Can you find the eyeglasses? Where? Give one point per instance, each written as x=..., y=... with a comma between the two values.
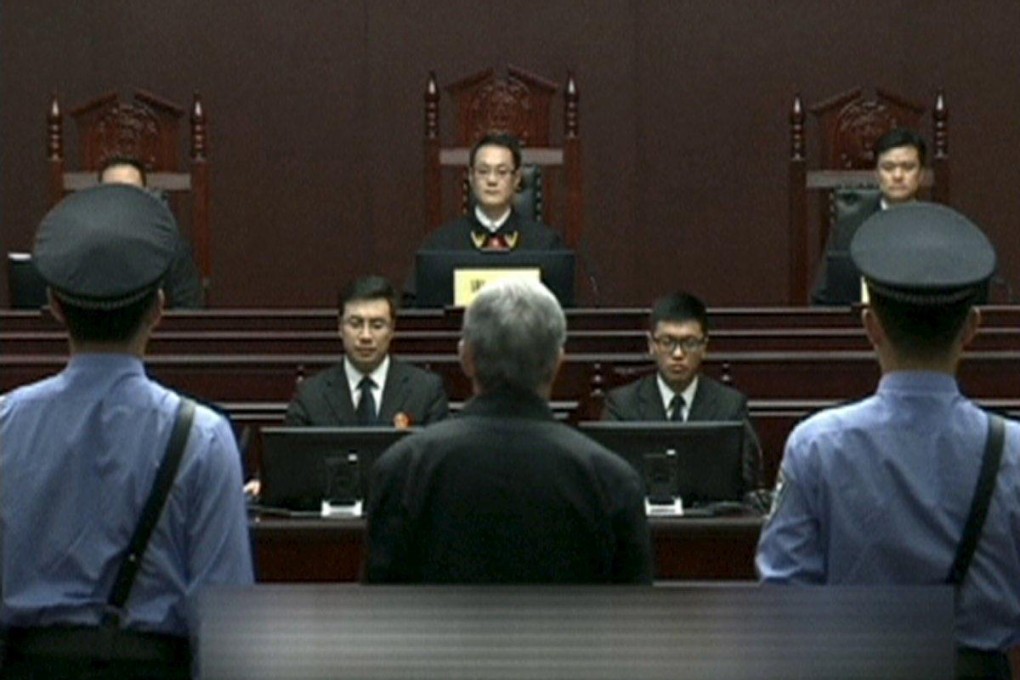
x=357, y=324
x=500, y=172
x=689, y=345
x=906, y=166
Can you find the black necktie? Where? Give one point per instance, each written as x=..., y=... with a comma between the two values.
x=676, y=408
x=366, y=404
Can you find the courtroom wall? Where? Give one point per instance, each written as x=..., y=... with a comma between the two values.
x=315, y=110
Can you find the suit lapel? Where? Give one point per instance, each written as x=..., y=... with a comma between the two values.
x=394, y=393
x=704, y=405
x=338, y=396
x=649, y=400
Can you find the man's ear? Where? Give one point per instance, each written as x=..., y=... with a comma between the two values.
x=873, y=327
x=55, y=309
x=155, y=311
x=467, y=359
x=559, y=362
x=970, y=326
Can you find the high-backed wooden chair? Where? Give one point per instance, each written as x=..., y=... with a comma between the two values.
x=519, y=104
x=848, y=126
x=146, y=128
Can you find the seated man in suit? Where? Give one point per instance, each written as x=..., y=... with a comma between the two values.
x=503, y=493
x=899, y=166
x=678, y=391
x=494, y=174
x=369, y=387
x=183, y=283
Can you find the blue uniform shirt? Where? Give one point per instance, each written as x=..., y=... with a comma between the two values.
x=877, y=492
x=78, y=455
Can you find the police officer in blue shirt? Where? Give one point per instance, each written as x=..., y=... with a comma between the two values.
x=879, y=491
x=79, y=454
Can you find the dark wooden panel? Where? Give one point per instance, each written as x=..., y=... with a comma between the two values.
x=317, y=139
x=412, y=342
x=763, y=375
x=332, y=550
x=722, y=320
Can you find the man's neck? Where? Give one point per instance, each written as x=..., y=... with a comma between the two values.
x=495, y=215
x=134, y=347
x=891, y=363
x=885, y=203
x=543, y=392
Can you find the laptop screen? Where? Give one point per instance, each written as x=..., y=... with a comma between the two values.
x=700, y=460
x=304, y=466
x=435, y=270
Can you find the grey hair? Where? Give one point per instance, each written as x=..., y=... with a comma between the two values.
x=515, y=330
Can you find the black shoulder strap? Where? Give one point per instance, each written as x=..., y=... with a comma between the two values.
x=151, y=512
x=979, y=504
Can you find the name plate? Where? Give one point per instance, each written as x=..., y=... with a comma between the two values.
x=468, y=281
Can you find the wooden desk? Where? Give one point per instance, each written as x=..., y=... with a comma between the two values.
x=318, y=550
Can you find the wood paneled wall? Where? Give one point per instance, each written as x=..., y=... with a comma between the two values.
x=315, y=111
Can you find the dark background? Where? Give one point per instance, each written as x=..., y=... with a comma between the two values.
x=316, y=120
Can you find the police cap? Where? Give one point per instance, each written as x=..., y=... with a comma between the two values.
x=106, y=247
x=922, y=253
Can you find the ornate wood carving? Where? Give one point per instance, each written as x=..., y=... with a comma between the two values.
x=198, y=131
x=851, y=122
x=797, y=129
x=518, y=104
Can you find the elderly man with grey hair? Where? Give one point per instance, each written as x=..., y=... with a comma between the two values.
x=503, y=493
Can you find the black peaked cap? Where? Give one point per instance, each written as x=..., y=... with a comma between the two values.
x=106, y=247
x=923, y=253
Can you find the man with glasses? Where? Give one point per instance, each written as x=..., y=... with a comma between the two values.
x=183, y=282
x=678, y=391
x=494, y=174
x=369, y=387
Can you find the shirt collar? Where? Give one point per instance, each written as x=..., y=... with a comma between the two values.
x=918, y=381
x=666, y=393
x=885, y=205
x=508, y=403
x=491, y=225
x=106, y=363
x=378, y=376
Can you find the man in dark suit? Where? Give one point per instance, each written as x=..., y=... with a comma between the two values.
x=494, y=174
x=678, y=391
x=182, y=282
x=503, y=493
x=369, y=387
x=899, y=167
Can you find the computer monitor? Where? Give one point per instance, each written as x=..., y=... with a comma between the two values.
x=435, y=271
x=842, y=278
x=304, y=466
x=26, y=284
x=701, y=461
